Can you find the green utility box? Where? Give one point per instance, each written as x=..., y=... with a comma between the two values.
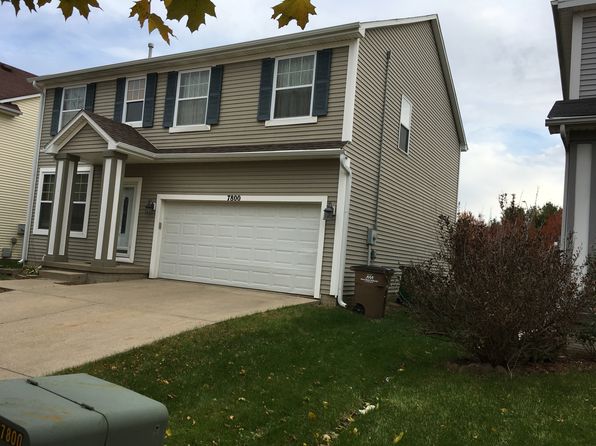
x=370, y=290
x=77, y=410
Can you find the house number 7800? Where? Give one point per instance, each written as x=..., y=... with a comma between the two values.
x=234, y=197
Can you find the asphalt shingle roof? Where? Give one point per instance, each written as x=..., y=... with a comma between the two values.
x=13, y=82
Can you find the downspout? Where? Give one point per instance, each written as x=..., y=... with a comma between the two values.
x=345, y=164
x=25, y=250
x=371, y=255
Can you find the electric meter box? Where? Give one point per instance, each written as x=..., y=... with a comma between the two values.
x=77, y=410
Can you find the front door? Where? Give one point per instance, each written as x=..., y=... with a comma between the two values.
x=128, y=220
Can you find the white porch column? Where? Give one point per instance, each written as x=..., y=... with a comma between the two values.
x=109, y=209
x=58, y=234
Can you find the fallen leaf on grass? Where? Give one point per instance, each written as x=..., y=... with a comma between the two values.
x=398, y=438
x=312, y=416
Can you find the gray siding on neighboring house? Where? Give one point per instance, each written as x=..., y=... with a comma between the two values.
x=238, y=123
x=415, y=188
x=592, y=234
x=318, y=177
x=587, y=81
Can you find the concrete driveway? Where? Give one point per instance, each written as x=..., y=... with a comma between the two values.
x=45, y=327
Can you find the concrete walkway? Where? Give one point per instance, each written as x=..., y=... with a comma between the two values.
x=46, y=327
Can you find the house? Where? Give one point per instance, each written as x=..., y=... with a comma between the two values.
x=19, y=114
x=274, y=164
x=574, y=118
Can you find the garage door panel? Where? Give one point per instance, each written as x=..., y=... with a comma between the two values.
x=271, y=246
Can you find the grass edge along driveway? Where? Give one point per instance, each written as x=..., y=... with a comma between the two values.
x=300, y=375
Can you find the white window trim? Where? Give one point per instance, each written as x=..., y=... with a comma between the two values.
x=126, y=101
x=192, y=127
x=404, y=98
x=307, y=119
x=62, y=101
x=138, y=183
x=52, y=170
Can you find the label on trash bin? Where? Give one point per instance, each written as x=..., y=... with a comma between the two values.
x=369, y=278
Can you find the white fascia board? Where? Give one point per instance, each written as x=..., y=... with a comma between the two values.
x=436, y=27
x=236, y=156
x=71, y=129
x=563, y=4
x=20, y=98
x=10, y=111
x=396, y=22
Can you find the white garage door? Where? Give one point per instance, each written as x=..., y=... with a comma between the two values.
x=268, y=246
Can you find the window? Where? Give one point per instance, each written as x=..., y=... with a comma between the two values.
x=191, y=103
x=405, y=124
x=47, y=183
x=134, y=101
x=79, y=211
x=293, y=92
x=73, y=100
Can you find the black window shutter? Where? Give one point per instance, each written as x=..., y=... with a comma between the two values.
x=90, y=97
x=321, y=88
x=56, y=111
x=149, y=107
x=214, y=102
x=170, y=104
x=266, y=91
x=119, y=104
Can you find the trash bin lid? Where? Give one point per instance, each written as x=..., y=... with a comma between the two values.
x=373, y=269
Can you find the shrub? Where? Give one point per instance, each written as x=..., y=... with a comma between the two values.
x=500, y=290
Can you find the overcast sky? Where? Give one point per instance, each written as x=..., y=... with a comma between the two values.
x=502, y=55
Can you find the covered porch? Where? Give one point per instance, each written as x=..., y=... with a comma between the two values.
x=103, y=147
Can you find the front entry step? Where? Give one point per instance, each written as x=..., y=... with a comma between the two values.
x=60, y=276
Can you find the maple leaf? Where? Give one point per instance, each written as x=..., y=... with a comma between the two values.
x=67, y=7
x=195, y=10
x=156, y=22
x=142, y=9
x=289, y=10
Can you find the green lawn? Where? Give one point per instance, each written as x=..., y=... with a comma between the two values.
x=290, y=376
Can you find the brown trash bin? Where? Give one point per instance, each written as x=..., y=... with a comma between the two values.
x=371, y=287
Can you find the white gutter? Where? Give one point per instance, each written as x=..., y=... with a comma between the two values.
x=345, y=164
x=25, y=250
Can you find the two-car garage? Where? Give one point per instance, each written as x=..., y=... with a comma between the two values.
x=268, y=243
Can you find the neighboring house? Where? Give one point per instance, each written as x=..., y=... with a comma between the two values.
x=574, y=118
x=255, y=164
x=19, y=114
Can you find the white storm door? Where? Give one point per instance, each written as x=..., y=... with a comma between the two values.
x=129, y=215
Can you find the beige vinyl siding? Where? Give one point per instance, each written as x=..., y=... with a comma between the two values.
x=17, y=147
x=79, y=249
x=86, y=140
x=417, y=187
x=587, y=80
x=243, y=178
x=238, y=123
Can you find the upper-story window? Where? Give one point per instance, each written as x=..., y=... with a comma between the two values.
x=405, y=124
x=191, y=101
x=293, y=92
x=135, y=100
x=73, y=100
